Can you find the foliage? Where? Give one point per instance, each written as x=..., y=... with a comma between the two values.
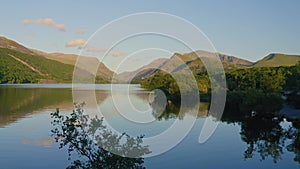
x=265, y=135
x=250, y=89
x=269, y=80
x=253, y=100
x=50, y=68
x=12, y=71
x=293, y=78
x=294, y=134
x=90, y=138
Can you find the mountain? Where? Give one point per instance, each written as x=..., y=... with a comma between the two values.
x=19, y=64
x=179, y=62
x=23, y=65
x=10, y=44
x=145, y=71
x=71, y=59
x=194, y=60
x=277, y=59
x=18, y=67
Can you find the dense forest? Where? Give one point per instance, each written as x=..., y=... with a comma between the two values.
x=17, y=67
x=13, y=72
x=248, y=89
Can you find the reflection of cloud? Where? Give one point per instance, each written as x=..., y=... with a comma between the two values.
x=80, y=31
x=116, y=54
x=39, y=142
x=75, y=42
x=46, y=21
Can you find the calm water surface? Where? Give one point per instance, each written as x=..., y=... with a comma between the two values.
x=238, y=142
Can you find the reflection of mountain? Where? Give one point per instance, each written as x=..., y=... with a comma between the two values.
x=19, y=102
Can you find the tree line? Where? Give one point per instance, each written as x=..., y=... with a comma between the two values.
x=248, y=89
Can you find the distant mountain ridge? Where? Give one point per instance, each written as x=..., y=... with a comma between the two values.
x=178, y=62
x=145, y=71
x=175, y=63
x=195, y=64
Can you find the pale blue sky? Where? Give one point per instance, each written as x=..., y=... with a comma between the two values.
x=247, y=29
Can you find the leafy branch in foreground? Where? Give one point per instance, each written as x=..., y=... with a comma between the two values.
x=95, y=144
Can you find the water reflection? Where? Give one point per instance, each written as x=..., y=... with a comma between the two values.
x=163, y=109
x=91, y=139
x=266, y=134
x=263, y=135
x=294, y=134
x=17, y=103
x=172, y=111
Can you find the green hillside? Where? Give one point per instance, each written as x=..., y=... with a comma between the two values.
x=14, y=72
x=276, y=59
x=17, y=67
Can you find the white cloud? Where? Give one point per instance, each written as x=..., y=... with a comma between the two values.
x=46, y=21
x=76, y=42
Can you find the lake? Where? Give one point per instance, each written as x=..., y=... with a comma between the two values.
x=238, y=142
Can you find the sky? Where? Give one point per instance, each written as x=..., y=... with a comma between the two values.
x=246, y=29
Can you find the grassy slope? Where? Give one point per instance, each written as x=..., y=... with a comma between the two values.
x=102, y=72
x=12, y=71
x=52, y=69
x=275, y=60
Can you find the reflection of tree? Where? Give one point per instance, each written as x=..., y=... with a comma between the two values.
x=168, y=111
x=294, y=135
x=98, y=145
x=263, y=135
x=172, y=111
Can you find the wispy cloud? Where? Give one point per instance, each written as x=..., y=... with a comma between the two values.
x=116, y=54
x=46, y=21
x=80, y=31
x=75, y=42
